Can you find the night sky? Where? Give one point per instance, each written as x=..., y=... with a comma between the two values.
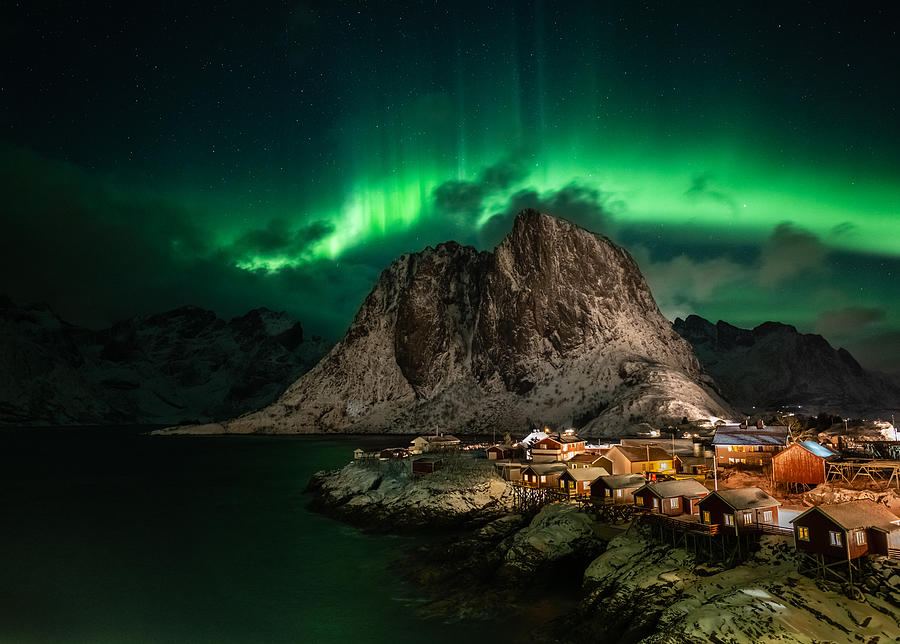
x=282, y=154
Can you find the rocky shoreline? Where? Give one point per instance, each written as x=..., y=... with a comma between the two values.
x=569, y=578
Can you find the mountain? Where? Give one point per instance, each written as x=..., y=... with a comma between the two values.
x=773, y=366
x=556, y=326
x=183, y=365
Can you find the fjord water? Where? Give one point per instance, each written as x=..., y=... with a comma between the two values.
x=112, y=536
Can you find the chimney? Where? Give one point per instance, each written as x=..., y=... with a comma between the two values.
x=698, y=448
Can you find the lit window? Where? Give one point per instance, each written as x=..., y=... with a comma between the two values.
x=748, y=517
x=706, y=516
x=860, y=538
x=608, y=492
x=618, y=492
x=543, y=478
x=673, y=503
x=834, y=538
x=639, y=500
x=655, y=503
x=562, y=484
x=767, y=516
x=663, y=466
x=729, y=519
x=803, y=533
x=543, y=445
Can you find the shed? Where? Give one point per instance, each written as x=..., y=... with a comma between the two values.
x=802, y=464
x=847, y=530
x=426, y=465
x=579, y=480
x=544, y=475
x=740, y=508
x=617, y=489
x=670, y=497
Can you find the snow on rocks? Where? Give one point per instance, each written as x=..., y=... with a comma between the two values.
x=558, y=531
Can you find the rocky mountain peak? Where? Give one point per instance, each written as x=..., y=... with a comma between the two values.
x=556, y=324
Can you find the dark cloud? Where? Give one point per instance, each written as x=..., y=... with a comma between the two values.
x=841, y=322
x=579, y=204
x=466, y=198
x=701, y=189
x=788, y=252
x=277, y=238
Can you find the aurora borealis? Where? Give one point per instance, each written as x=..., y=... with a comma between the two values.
x=241, y=155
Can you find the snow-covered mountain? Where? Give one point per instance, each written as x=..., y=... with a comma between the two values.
x=556, y=326
x=773, y=366
x=183, y=365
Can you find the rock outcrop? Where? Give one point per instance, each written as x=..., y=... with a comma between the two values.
x=773, y=366
x=556, y=326
x=641, y=590
x=182, y=365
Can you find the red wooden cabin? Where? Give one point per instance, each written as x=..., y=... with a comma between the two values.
x=579, y=480
x=670, y=497
x=847, y=530
x=802, y=463
x=739, y=509
x=617, y=489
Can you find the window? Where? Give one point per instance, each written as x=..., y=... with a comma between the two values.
x=834, y=538
x=618, y=492
x=803, y=533
x=562, y=484
x=607, y=492
x=748, y=517
x=639, y=500
x=543, y=478
x=663, y=466
x=706, y=516
x=543, y=445
x=860, y=538
x=767, y=516
x=673, y=503
x=655, y=503
x=729, y=519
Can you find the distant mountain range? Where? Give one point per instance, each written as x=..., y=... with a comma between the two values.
x=774, y=367
x=556, y=326
x=185, y=365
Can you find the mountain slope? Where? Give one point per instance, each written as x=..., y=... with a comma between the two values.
x=183, y=365
x=556, y=326
x=773, y=366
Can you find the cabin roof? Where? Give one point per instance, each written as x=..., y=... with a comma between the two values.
x=746, y=498
x=545, y=468
x=862, y=513
x=585, y=458
x=586, y=473
x=769, y=435
x=639, y=454
x=680, y=487
x=817, y=449
x=563, y=438
x=618, y=481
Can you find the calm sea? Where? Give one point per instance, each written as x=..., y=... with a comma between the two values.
x=111, y=536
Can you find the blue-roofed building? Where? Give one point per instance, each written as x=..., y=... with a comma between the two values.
x=749, y=446
x=802, y=464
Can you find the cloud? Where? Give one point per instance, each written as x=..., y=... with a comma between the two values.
x=277, y=238
x=683, y=285
x=702, y=190
x=466, y=198
x=788, y=252
x=845, y=321
x=579, y=204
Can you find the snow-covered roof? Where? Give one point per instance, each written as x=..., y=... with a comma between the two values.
x=746, y=498
x=586, y=473
x=818, y=450
x=770, y=435
x=856, y=514
x=638, y=454
x=617, y=481
x=533, y=438
x=681, y=487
